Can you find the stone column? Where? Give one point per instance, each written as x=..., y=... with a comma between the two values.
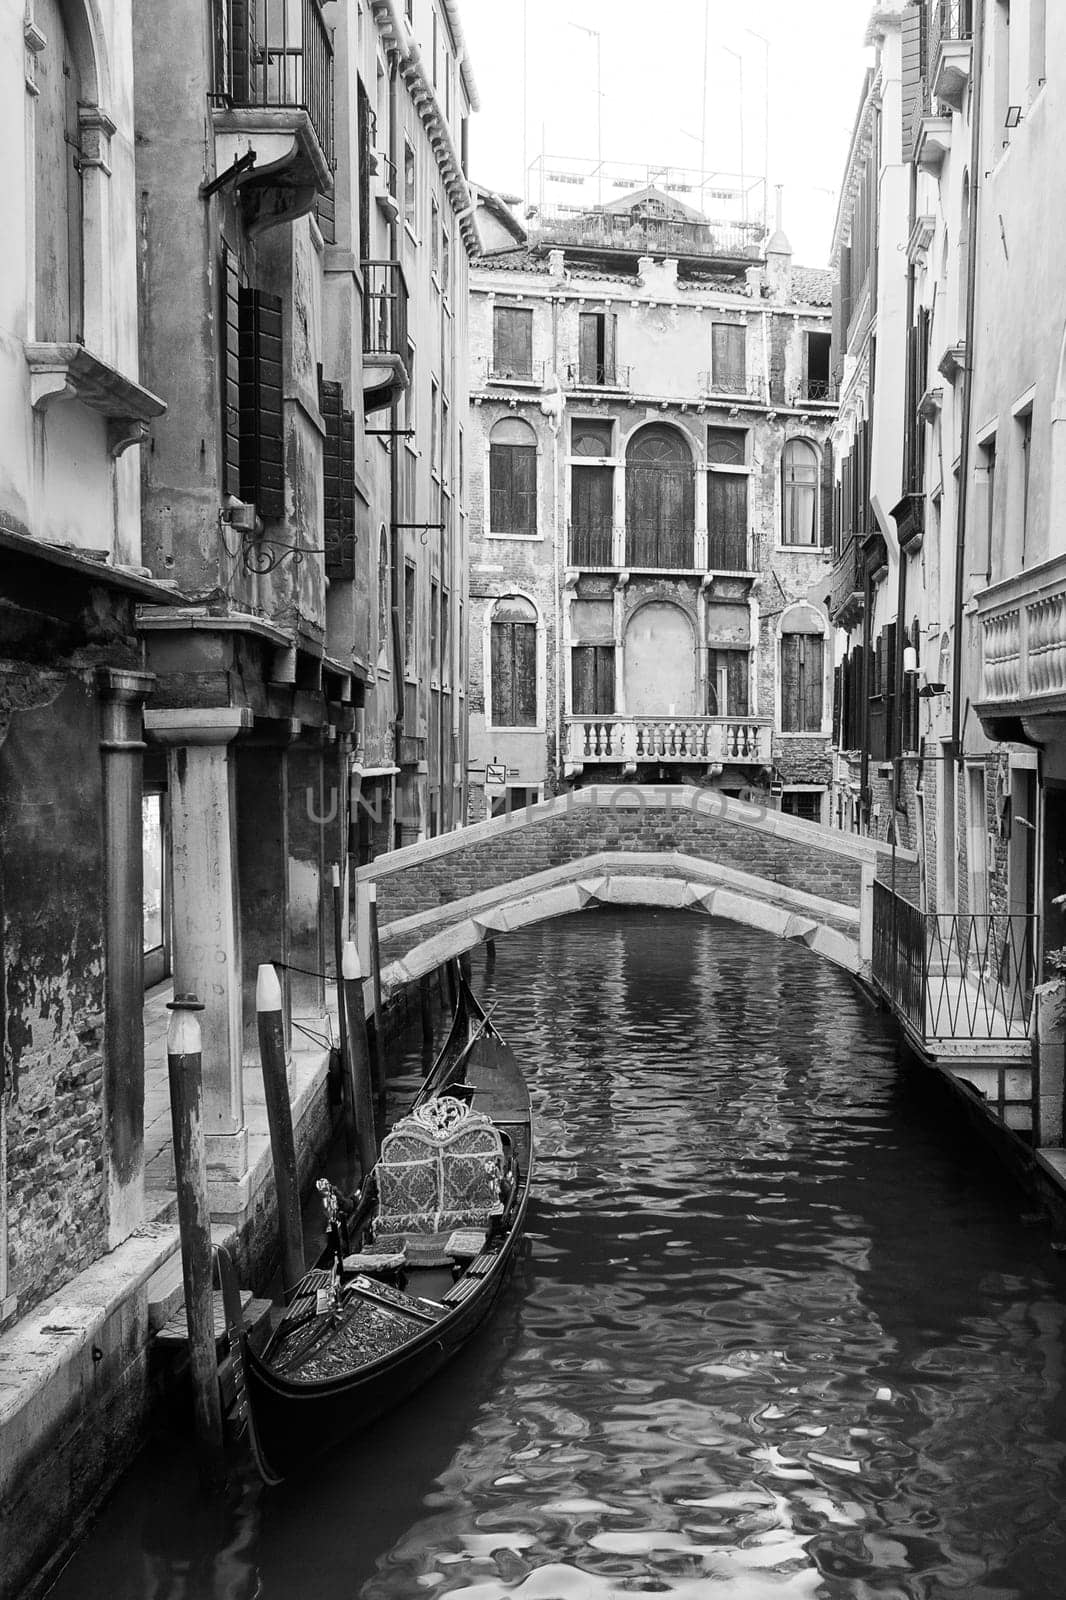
x=262, y=870
x=310, y=805
x=122, y=696
x=207, y=956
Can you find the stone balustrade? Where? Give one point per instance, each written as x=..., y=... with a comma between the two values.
x=1023, y=641
x=626, y=740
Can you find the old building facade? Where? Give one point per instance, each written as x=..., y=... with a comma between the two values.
x=649, y=508
x=232, y=594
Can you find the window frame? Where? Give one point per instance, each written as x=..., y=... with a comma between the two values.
x=815, y=544
x=494, y=452
x=491, y=620
x=802, y=731
x=727, y=469
x=499, y=369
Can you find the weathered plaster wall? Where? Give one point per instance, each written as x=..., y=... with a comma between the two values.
x=51, y=909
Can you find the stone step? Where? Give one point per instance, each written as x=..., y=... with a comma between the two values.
x=166, y=1287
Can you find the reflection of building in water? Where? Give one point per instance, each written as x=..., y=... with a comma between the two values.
x=650, y=500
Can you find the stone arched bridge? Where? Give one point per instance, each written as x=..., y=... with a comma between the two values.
x=668, y=846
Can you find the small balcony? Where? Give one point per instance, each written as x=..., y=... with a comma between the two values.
x=845, y=599
x=728, y=385
x=385, y=372
x=273, y=110
x=590, y=545
x=1022, y=624
x=523, y=374
x=661, y=547
x=727, y=550
x=816, y=392
x=598, y=375
x=690, y=741
x=950, y=50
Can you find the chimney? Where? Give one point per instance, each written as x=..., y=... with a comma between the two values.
x=557, y=263
x=779, y=256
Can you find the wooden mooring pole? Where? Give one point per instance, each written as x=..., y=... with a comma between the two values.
x=279, y=1120
x=185, y=1071
x=376, y=1030
x=352, y=986
x=342, y=1024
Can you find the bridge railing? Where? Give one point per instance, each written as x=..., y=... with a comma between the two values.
x=614, y=739
x=955, y=975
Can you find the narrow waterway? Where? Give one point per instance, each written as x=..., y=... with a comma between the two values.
x=778, y=1331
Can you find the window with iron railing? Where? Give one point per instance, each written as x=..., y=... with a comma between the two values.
x=280, y=54
x=660, y=500
x=384, y=308
x=727, y=499
x=729, y=357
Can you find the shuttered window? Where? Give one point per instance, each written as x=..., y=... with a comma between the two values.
x=799, y=494
x=596, y=348
x=514, y=663
x=261, y=454
x=512, y=342
x=593, y=680
x=727, y=683
x=338, y=482
x=728, y=363
x=660, y=501
x=513, y=478
x=727, y=521
x=802, y=686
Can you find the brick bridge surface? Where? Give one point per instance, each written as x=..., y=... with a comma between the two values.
x=666, y=846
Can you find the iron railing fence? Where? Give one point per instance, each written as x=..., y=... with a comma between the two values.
x=384, y=309
x=591, y=544
x=279, y=53
x=955, y=975
x=597, y=375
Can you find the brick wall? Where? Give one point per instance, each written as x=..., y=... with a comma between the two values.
x=523, y=849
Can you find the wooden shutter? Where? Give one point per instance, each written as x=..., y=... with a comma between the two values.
x=262, y=439
x=728, y=356
x=791, y=683
x=525, y=674
x=589, y=363
x=500, y=487
x=812, y=648
x=727, y=520
x=736, y=683
x=591, y=515
x=592, y=667
x=912, y=30
x=231, y=375
x=523, y=488
x=241, y=48
x=827, y=494
x=676, y=517
x=780, y=334
x=338, y=483
x=610, y=348
x=512, y=342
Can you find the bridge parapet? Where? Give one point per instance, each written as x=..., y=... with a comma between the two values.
x=657, y=834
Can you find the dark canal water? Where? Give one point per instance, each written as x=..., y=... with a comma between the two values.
x=777, y=1335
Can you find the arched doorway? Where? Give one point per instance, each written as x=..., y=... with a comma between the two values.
x=660, y=662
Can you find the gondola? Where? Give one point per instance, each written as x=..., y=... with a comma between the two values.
x=414, y=1263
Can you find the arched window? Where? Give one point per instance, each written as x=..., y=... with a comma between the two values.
x=513, y=663
x=58, y=243
x=799, y=493
x=660, y=500
x=513, y=478
x=383, y=596
x=802, y=671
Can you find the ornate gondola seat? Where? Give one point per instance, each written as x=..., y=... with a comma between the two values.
x=440, y=1170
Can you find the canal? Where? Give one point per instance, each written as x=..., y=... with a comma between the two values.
x=779, y=1332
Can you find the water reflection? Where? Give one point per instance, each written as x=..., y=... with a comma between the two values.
x=775, y=1335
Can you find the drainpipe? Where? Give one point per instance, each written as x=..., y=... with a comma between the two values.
x=976, y=84
x=909, y=487
x=398, y=644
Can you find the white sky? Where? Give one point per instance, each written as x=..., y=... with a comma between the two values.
x=651, y=65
